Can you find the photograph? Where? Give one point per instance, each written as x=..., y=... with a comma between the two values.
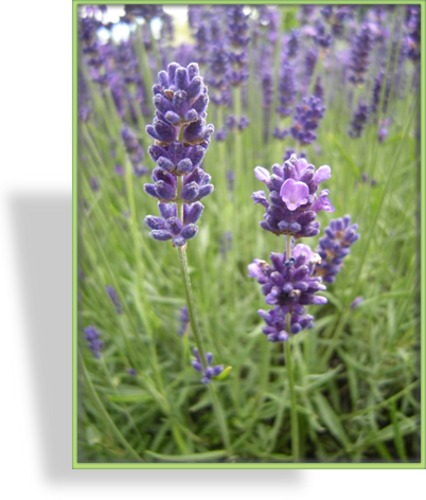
x=247, y=214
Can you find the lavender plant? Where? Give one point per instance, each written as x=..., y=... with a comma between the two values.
x=340, y=84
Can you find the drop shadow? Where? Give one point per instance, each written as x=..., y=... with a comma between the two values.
x=42, y=225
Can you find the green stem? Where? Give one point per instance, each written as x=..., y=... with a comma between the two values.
x=290, y=374
x=190, y=302
x=295, y=445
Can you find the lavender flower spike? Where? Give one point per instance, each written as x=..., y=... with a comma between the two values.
x=114, y=298
x=93, y=338
x=359, y=120
x=306, y=119
x=210, y=371
x=340, y=235
x=289, y=285
x=293, y=200
x=181, y=138
x=360, y=55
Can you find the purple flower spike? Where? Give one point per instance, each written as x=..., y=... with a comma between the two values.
x=94, y=341
x=181, y=140
x=340, y=235
x=359, y=120
x=306, y=119
x=360, y=55
x=114, y=298
x=210, y=371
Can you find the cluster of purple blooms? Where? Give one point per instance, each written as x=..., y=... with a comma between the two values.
x=181, y=140
x=359, y=120
x=340, y=235
x=94, y=341
x=292, y=281
x=360, y=55
x=294, y=200
x=208, y=371
x=289, y=284
x=306, y=120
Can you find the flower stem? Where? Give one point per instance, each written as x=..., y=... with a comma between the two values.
x=293, y=404
x=290, y=374
x=190, y=304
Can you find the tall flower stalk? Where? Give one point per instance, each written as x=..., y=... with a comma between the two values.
x=182, y=138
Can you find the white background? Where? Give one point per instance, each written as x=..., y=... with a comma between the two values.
x=35, y=285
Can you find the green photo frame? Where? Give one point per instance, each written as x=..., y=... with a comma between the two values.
x=347, y=394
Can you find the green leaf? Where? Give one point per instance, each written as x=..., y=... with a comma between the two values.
x=331, y=420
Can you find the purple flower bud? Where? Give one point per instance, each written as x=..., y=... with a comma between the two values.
x=210, y=371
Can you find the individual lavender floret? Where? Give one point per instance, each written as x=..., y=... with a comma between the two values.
x=114, y=298
x=184, y=321
x=289, y=285
x=132, y=372
x=210, y=371
x=340, y=235
x=94, y=341
x=134, y=150
x=306, y=119
x=360, y=55
x=293, y=200
x=359, y=120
